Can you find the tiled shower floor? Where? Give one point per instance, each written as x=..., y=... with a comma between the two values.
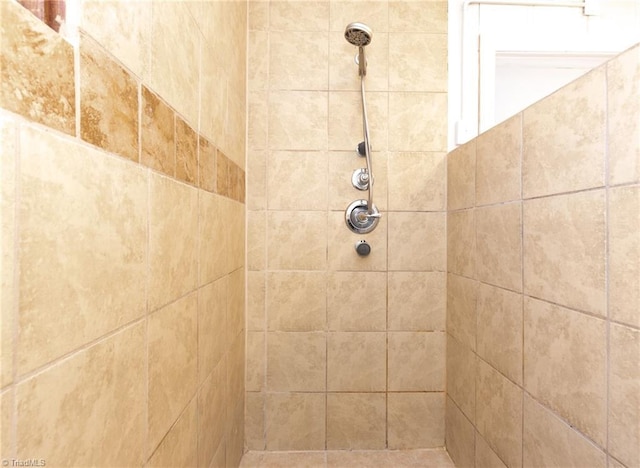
x=428, y=458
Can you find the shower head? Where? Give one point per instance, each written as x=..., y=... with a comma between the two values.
x=358, y=34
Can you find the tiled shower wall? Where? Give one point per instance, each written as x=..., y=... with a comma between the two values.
x=543, y=313
x=123, y=223
x=345, y=352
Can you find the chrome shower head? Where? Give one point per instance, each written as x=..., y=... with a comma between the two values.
x=358, y=34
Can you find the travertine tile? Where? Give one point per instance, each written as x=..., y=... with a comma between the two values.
x=256, y=300
x=212, y=326
x=297, y=180
x=108, y=102
x=215, y=98
x=549, y=441
x=416, y=361
x=206, y=165
x=258, y=15
x=417, y=301
x=175, y=57
x=236, y=358
x=356, y=420
x=500, y=329
x=215, y=236
x=234, y=448
x=461, y=371
x=485, y=456
x=236, y=316
x=298, y=120
x=341, y=249
x=254, y=421
x=258, y=120
x=57, y=409
x=371, y=12
x=295, y=421
x=428, y=17
x=624, y=394
x=434, y=457
x=157, y=134
x=288, y=71
x=307, y=459
x=415, y=420
x=499, y=245
x=37, y=64
x=257, y=180
x=623, y=111
x=258, y=56
x=461, y=243
x=82, y=247
x=356, y=301
x=356, y=361
x=8, y=261
x=343, y=70
x=173, y=364
x=212, y=416
x=624, y=254
x=417, y=62
x=345, y=121
x=462, y=296
x=567, y=231
x=358, y=458
x=461, y=176
x=460, y=436
x=220, y=457
x=417, y=181
x=417, y=241
x=564, y=138
x=179, y=448
x=296, y=301
x=565, y=364
x=498, y=163
x=406, y=132
x=499, y=413
x=132, y=20
x=296, y=361
x=296, y=240
x=256, y=240
x=173, y=266
x=186, y=152
x=6, y=425
x=288, y=15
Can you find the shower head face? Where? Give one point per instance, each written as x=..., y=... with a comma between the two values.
x=358, y=34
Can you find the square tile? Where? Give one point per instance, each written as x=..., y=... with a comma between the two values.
x=296, y=421
x=415, y=420
x=296, y=301
x=565, y=364
x=356, y=361
x=499, y=245
x=567, y=230
x=564, y=138
x=417, y=301
x=296, y=361
x=416, y=361
x=356, y=301
x=356, y=421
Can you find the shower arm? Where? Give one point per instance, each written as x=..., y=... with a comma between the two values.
x=367, y=151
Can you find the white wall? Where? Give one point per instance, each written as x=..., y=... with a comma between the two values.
x=493, y=32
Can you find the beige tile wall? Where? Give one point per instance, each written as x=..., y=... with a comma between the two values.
x=345, y=352
x=543, y=311
x=123, y=220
